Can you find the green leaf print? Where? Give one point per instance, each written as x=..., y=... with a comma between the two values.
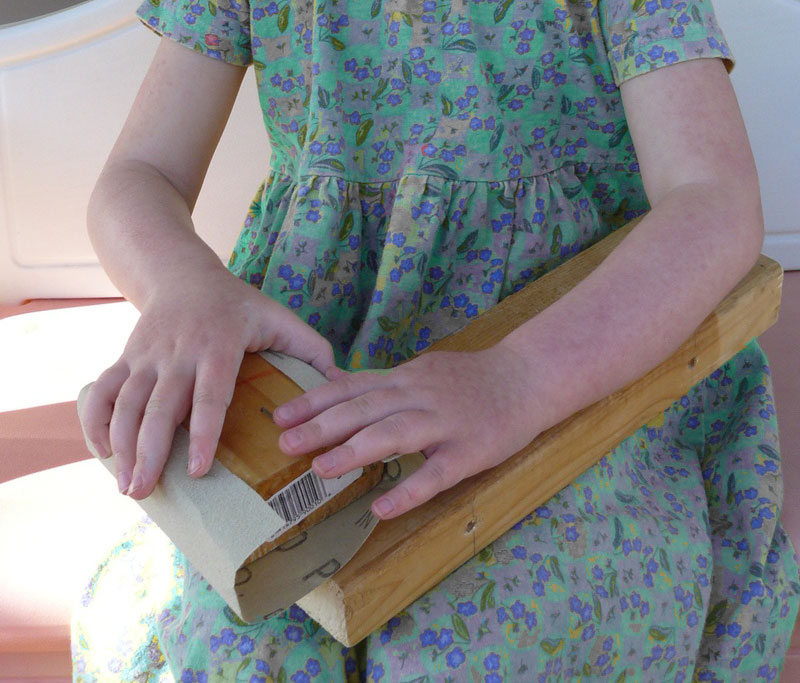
x=337, y=44
x=283, y=19
x=551, y=647
x=500, y=11
x=461, y=44
x=386, y=323
x=487, y=596
x=622, y=677
x=580, y=57
x=212, y=8
x=769, y=451
x=536, y=78
x=259, y=66
x=363, y=131
x=555, y=568
x=743, y=387
x=347, y=226
x=696, y=14
x=617, y=532
x=407, y=74
x=496, y=137
x=301, y=135
x=230, y=614
x=637, y=5
x=731, y=488
x=423, y=261
x=282, y=675
x=468, y=242
x=324, y=98
x=506, y=202
x=407, y=18
x=761, y=643
x=698, y=597
x=243, y=665
x=573, y=191
x=664, y=559
x=566, y=104
x=376, y=8
x=382, y=84
x=447, y=106
x=555, y=245
x=460, y=627
x=330, y=163
x=618, y=136
x=715, y=615
x=504, y=90
x=658, y=634
x=444, y=170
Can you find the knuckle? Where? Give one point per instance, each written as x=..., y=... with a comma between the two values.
x=439, y=471
x=363, y=405
x=205, y=396
x=154, y=408
x=397, y=428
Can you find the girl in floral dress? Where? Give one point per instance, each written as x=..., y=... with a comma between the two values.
x=428, y=158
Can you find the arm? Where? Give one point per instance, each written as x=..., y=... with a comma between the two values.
x=470, y=411
x=197, y=318
x=701, y=237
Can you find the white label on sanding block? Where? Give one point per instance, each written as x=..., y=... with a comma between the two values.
x=298, y=499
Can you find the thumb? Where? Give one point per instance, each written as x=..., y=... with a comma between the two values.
x=298, y=339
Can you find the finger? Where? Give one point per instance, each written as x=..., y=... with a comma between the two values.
x=443, y=469
x=213, y=391
x=403, y=432
x=347, y=387
x=297, y=338
x=342, y=420
x=125, y=420
x=167, y=407
x=99, y=406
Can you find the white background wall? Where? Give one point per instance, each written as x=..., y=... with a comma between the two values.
x=68, y=79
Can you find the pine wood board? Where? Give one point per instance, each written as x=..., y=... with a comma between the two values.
x=248, y=445
x=405, y=557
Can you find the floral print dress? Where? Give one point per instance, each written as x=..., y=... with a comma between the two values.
x=430, y=157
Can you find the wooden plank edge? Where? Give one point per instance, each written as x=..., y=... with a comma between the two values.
x=370, y=589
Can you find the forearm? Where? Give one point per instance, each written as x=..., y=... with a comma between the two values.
x=141, y=229
x=643, y=301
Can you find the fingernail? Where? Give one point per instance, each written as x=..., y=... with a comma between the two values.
x=383, y=507
x=123, y=481
x=195, y=463
x=292, y=439
x=325, y=462
x=100, y=450
x=284, y=413
x=136, y=485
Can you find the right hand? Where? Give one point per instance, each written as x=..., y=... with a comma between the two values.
x=184, y=354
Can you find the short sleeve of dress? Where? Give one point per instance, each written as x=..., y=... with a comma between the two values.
x=218, y=29
x=643, y=35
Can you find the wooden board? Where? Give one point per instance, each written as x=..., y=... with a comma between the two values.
x=406, y=556
x=248, y=445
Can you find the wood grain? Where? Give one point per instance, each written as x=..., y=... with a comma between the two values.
x=248, y=445
x=405, y=557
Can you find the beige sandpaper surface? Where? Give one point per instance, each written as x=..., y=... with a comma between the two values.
x=218, y=521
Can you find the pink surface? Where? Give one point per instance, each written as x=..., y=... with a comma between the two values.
x=61, y=504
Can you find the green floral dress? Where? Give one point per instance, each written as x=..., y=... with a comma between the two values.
x=430, y=157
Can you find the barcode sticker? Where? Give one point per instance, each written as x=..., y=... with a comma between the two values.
x=298, y=499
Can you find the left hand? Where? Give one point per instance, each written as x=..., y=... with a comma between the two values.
x=466, y=412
